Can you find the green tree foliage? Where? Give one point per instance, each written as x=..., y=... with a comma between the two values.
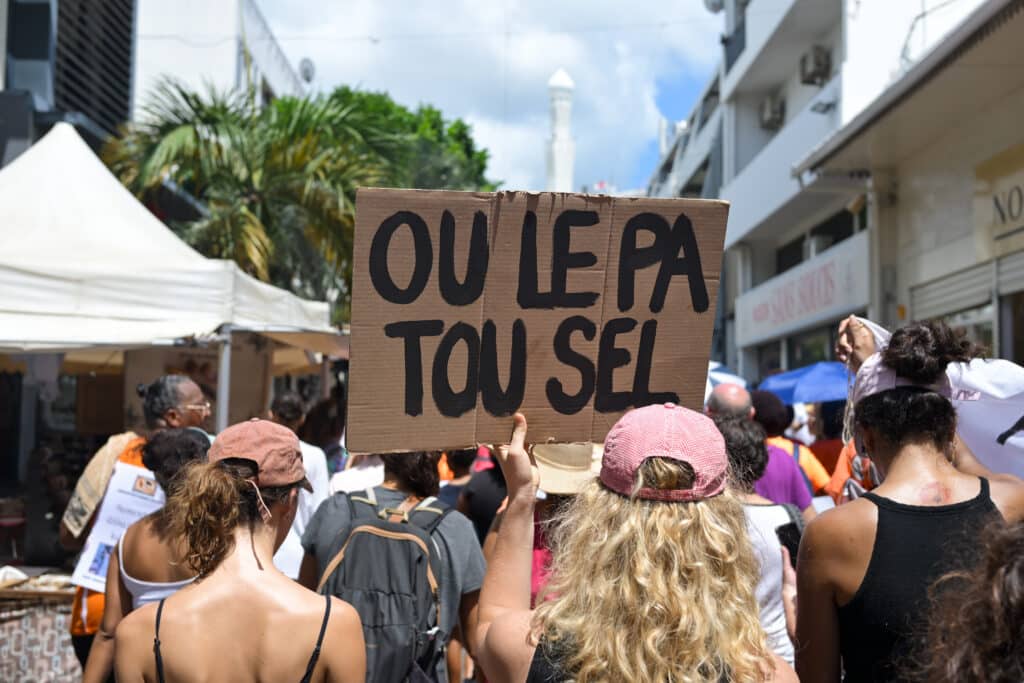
x=276, y=184
x=431, y=154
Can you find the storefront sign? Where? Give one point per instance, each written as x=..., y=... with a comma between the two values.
x=999, y=201
x=828, y=286
x=131, y=495
x=467, y=307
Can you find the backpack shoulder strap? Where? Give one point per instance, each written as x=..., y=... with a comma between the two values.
x=429, y=514
x=795, y=449
x=367, y=508
x=795, y=516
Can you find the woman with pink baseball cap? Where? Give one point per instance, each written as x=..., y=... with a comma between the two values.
x=652, y=577
x=865, y=568
x=242, y=619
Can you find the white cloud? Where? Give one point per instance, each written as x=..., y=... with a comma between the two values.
x=489, y=63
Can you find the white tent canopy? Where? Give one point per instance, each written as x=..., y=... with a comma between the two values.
x=83, y=264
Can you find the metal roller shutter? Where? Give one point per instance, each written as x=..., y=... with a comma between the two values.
x=956, y=292
x=1011, y=273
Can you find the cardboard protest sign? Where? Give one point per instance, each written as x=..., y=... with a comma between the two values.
x=131, y=495
x=468, y=307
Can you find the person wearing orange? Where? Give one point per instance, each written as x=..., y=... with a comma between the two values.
x=771, y=413
x=854, y=475
x=826, y=425
x=170, y=401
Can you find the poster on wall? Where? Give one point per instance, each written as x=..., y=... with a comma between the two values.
x=468, y=307
x=131, y=495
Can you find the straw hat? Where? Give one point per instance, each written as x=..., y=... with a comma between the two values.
x=566, y=467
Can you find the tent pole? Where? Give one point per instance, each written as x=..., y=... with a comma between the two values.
x=224, y=379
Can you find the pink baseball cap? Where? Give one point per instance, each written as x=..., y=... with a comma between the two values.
x=665, y=431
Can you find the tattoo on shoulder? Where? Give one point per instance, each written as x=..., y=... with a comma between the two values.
x=934, y=494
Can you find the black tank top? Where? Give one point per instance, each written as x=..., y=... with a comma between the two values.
x=546, y=667
x=881, y=628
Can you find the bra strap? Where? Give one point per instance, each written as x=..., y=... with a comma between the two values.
x=156, y=644
x=319, y=641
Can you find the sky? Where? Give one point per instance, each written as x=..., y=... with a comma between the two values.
x=489, y=63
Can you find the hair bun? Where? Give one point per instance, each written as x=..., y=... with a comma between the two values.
x=921, y=352
x=141, y=389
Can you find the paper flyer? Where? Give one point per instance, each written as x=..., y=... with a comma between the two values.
x=131, y=495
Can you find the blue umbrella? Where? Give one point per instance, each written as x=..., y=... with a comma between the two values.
x=818, y=382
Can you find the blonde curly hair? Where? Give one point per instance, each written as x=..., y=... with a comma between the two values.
x=653, y=591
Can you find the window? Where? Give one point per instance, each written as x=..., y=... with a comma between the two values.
x=789, y=255
x=769, y=359
x=812, y=347
x=695, y=185
x=708, y=105
x=836, y=228
x=735, y=42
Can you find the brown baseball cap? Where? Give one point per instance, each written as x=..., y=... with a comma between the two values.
x=273, y=447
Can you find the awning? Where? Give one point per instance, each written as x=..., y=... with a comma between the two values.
x=84, y=264
x=332, y=345
x=295, y=353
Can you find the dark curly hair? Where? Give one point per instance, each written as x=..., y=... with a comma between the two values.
x=976, y=626
x=907, y=414
x=745, y=446
x=169, y=450
x=416, y=472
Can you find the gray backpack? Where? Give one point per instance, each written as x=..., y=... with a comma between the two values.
x=387, y=568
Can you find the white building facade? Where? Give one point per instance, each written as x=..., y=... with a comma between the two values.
x=227, y=44
x=804, y=246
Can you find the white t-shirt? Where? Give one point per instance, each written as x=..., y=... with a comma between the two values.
x=289, y=556
x=762, y=521
x=365, y=475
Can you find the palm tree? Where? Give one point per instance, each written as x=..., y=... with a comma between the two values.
x=277, y=184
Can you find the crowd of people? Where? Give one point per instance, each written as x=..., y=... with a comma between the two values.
x=686, y=547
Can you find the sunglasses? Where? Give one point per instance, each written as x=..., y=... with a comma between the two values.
x=204, y=407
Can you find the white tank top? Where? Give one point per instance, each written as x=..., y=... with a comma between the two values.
x=144, y=592
x=762, y=521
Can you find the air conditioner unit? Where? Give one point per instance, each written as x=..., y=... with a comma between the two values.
x=772, y=113
x=815, y=66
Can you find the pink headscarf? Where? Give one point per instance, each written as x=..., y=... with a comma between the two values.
x=875, y=377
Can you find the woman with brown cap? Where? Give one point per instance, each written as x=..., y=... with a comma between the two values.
x=652, y=576
x=242, y=620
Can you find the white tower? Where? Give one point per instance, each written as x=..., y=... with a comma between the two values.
x=561, y=150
